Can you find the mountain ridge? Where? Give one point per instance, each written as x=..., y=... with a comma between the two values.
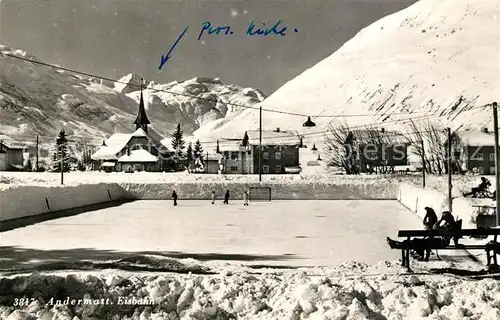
x=436, y=59
x=40, y=100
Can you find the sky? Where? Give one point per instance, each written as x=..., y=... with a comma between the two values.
x=112, y=38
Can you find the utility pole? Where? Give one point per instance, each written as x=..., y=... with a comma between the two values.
x=497, y=164
x=450, y=198
x=61, y=164
x=260, y=144
x=37, y=153
x=424, y=169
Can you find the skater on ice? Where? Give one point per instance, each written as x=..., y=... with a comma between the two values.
x=245, y=198
x=226, y=197
x=213, y=197
x=174, y=196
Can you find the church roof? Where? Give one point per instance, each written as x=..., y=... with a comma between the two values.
x=139, y=133
x=139, y=155
x=142, y=118
x=112, y=146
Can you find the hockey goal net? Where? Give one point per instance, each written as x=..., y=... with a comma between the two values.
x=260, y=194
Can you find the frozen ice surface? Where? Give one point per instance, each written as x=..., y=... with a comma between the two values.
x=285, y=233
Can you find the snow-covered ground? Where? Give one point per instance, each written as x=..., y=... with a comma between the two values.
x=350, y=291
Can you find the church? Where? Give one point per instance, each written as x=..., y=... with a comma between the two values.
x=141, y=150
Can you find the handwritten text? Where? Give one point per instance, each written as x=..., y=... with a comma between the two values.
x=209, y=29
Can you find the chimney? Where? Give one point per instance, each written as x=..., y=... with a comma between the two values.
x=278, y=129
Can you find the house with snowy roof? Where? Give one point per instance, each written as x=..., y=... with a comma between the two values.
x=477, y=151
x=280, y=153
x=11, y=154
x=141, y=150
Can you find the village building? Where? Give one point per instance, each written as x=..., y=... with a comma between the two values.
x=280, y=153
x=11, y=154
x=235, y=158
x=477, y=151
x=141, y=150
x=212, y=163
x=378, y=151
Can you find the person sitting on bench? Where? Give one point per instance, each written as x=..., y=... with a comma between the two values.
x=430, y=218
x=492, y=248
x=482, y=187
x=421, y=245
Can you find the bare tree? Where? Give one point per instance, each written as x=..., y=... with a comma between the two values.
x=430, y=144
x=340, y=148
x=367, y=150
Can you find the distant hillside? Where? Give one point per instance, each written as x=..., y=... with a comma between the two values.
x=437, y=58
x=36, y=99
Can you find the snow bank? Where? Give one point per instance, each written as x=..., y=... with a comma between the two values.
x=279, y=190
x=348, y=292
x=24, y=201
x=32, y=194
x=158, y=186
x=417, y=198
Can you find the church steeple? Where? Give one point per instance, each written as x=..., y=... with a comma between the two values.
x=142, y=120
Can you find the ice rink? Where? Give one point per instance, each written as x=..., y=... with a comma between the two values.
x=278, y=233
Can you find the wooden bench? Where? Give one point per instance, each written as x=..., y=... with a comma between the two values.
x=408, y=234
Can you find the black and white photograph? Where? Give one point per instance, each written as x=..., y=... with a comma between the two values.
x=249, y=159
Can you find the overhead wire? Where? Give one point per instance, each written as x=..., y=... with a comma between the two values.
x=224, y=139
x=91, y=75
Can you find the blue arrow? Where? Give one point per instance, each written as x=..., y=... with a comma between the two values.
x=164, y=58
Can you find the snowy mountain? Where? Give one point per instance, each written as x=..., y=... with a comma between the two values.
x=36, y=99
x=437, y=58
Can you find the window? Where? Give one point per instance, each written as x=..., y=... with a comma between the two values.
x=479, y=156
x=234, y=168
x=492, y=170
x=492, y=156
x=278, y=155
x=278, y=169
x=265, y=155
x=136, y=146
x=234, y=155
x=265, y=169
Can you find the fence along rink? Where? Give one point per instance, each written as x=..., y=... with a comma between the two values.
x=260, y=194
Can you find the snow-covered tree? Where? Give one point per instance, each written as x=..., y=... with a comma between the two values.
x=178, y=142
x=198, y=150
x=62, y=151
x=189, y=154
